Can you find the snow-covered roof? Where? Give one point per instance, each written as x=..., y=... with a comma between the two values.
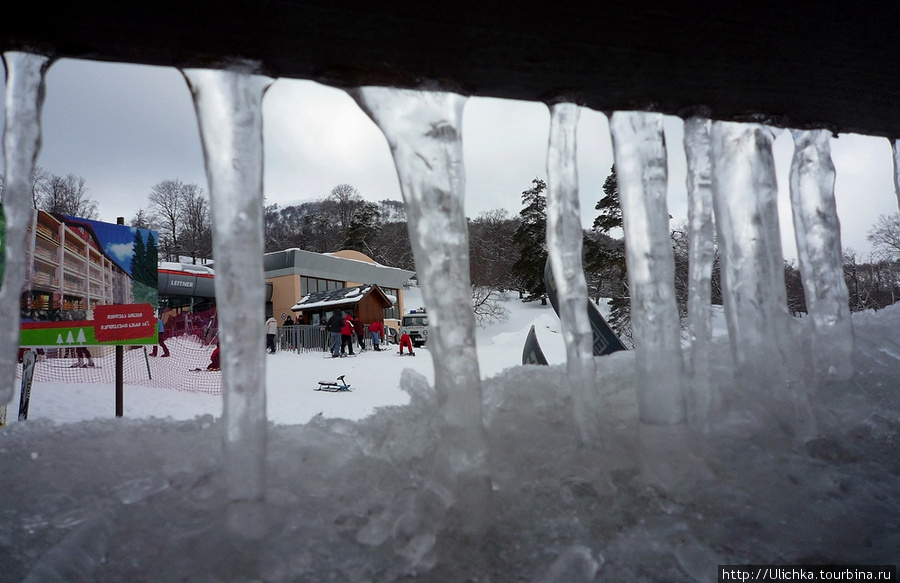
x=337, y=297
x=186, y=267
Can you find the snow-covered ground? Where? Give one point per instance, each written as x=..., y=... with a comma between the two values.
x=349, y=496
x=291, y=377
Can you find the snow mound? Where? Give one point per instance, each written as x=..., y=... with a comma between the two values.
x=353, y=501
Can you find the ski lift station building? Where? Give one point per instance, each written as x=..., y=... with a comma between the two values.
x=292, y=274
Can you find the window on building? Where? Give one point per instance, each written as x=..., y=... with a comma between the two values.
x=316, y=284
x=394, y=311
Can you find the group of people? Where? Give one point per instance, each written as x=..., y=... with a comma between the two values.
x=342, y=328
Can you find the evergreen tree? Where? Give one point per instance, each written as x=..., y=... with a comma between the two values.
x=610, y=259
x=610, y=216
x=364, y=226
x=531, y=239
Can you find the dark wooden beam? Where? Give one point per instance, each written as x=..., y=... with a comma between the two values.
x=783, y=63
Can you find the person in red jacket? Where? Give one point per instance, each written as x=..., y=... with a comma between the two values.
x=347, y=334
x=376, y=329
x=214, y=359
x=406, y=341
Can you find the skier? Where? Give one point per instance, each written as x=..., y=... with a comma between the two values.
x=405, y=340
x=376, y=329
x=161, y=334
x=214, y=359
x=85, y=360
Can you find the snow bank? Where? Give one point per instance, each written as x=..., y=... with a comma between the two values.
x=129, y=500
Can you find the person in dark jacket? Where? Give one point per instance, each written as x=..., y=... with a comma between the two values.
x=347, y=334
x=335, y=323
x=360, y=329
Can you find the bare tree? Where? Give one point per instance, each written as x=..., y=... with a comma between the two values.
x=491, y=249
x=196, y=229
x=488, y=305
x=885, y=235
x=141, y=220
x=180, y=212
x=66, y=196
x=347, y=201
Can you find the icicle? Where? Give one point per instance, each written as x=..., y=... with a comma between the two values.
x=818, y=234
x=895, y=149
x=229, y=112
x=640, y=155
x=744, y=195
x=21, y=144
x=564, y=248
x=701, y=259
x=423, y=130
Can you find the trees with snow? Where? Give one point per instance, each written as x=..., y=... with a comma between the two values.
x=363, y=228
x=885, y=235
x=490, y=240
x=608, y=259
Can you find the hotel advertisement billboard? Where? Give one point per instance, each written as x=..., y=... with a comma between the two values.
x=88, y=283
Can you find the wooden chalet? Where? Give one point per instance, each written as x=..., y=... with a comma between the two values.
x=367, y=302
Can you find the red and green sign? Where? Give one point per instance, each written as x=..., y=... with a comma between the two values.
x=112, y=324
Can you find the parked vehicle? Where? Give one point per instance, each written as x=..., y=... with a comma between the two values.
x=415, y=323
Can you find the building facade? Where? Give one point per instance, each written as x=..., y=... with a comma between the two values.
x=294, y=273
x=67, y=271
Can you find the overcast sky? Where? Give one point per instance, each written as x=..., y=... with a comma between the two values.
x=125, y=128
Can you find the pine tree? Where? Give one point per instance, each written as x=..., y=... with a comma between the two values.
x=611, y=259
x=363, y=228
x=531, y=239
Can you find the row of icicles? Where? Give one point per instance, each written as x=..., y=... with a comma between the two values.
x=731, y=175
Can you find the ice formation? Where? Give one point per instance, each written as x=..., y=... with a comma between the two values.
x=564, y=250
x=817, y=231
x=402, y=495
x=640, y=154
x=424, y=132
x=229, y=112
x=21, y=143
x=755, y=300
x=702, y=251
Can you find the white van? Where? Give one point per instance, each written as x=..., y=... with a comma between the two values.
x=415, y=323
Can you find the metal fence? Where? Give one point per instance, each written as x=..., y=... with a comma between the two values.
x=300, y=338
x=303, y=338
